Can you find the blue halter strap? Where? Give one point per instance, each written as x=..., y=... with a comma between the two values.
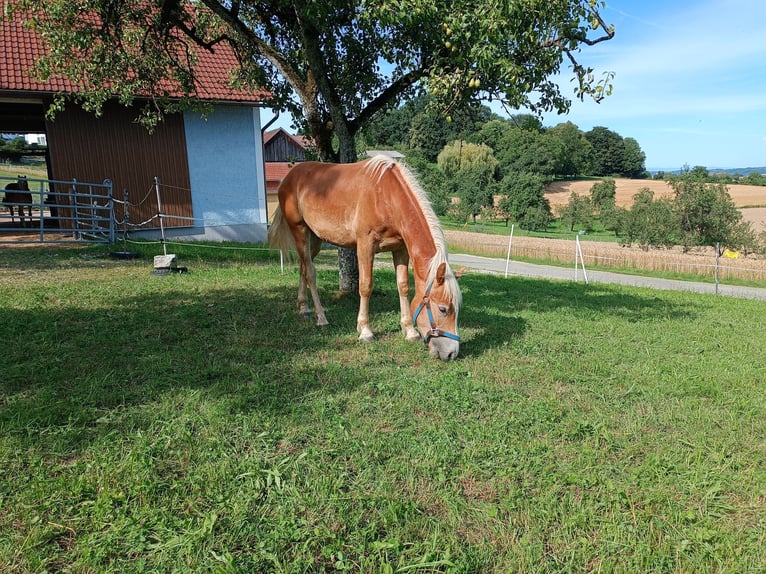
x=434, y=331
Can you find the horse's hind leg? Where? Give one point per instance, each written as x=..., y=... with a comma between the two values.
x=308, y=245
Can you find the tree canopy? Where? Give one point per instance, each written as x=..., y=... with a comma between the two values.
x=333, y=63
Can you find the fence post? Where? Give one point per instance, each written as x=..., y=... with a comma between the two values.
x=161, y=215
x=717, y=258
x=110, y=212
x=508, y=257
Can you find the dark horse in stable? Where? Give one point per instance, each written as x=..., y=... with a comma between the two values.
x=375, y=205
x=17, y=195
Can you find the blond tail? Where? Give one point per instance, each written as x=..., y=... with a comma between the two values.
x=280, y=236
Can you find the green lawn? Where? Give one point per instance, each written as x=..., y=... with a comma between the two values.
x=194, y=423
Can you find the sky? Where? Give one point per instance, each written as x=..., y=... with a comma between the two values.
x=689, y=84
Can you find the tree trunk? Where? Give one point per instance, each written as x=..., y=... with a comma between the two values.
x=348, y=265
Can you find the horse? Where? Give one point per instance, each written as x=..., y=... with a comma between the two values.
x=17, y=195
x=375, y=205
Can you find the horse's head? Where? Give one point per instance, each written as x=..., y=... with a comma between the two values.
x=436, y=314
x=23, y=184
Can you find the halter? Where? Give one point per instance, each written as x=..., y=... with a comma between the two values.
x=434, y=331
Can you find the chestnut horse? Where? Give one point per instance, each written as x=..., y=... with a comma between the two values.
x=17, y=195
x=375, y=205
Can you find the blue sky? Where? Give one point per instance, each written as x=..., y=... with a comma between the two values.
x=690, y=81
x=689, y=85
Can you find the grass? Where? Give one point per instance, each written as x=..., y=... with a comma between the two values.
x=556, y=230
x=193, y=423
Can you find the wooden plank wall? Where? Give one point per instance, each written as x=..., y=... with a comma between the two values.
x=113, y=146
x=283, y=148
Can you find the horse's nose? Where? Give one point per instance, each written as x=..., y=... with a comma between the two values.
x=445, y=353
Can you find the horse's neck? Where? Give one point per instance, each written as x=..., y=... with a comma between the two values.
x=418, y=238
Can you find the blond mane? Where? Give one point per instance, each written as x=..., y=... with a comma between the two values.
x=378, y=165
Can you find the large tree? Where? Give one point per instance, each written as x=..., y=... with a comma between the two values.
x=333, y=63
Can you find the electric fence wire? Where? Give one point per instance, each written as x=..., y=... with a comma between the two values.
x=157, y=216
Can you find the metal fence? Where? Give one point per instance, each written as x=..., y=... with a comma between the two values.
x=52, y=211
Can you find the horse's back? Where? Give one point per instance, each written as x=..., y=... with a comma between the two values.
x=326, y=197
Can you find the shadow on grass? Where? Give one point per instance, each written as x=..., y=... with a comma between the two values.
x=65, y=368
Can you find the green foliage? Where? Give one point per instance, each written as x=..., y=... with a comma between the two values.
x=754, y=178
x=608, y=151
x=603, y=192
x=523, y=200
x=461, y=155
x=576, y=151
x=470, y=172
x=12, y=149
x=613, y=217
x=651, y=222
x=634, y=160
x=707, y=214
x=615, y=155
x=434, y=182
x=474, y=187
x=578, y=212
x=195, y=423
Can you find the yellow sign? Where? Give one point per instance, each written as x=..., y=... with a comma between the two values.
x=730, y=254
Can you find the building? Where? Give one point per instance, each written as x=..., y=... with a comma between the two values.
x=210, y=170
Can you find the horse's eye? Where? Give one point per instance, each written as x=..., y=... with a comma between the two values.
x=443, y=309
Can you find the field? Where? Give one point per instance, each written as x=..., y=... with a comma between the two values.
x=751, y=199
x=192, y=423
x=698, y=264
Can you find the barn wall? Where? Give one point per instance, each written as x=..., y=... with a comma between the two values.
x=283, y=148
x=225, y=158
x=113, y=146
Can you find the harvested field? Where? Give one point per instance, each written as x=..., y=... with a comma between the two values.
x=751, y=199
x=700, y=261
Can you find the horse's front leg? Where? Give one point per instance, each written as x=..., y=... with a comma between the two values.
x=365, y=257
x=401, y=265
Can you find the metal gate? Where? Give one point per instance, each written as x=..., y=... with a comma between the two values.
x=51, y=211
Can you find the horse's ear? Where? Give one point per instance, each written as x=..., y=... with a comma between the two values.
x=441, y=271
x=459, y=273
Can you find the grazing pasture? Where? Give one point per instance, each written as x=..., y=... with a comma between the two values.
x=193, y=422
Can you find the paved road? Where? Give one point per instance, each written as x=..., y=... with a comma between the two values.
x=492, y=265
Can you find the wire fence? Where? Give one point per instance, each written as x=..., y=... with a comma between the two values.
x=706, y=262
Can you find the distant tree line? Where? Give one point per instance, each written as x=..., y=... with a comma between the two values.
x=476, y=156
x=702, y=173
x=12, y=149
x=499, y=168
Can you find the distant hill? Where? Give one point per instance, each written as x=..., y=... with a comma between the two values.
x=738, y=171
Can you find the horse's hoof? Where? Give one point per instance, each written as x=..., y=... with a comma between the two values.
x=414, y=336
x=367, y=337
x=306, y=315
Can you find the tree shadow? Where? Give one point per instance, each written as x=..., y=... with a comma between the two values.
x=66, y=368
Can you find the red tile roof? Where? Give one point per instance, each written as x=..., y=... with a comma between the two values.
x=20, y=47
x=277, y=170
x=302, y=141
